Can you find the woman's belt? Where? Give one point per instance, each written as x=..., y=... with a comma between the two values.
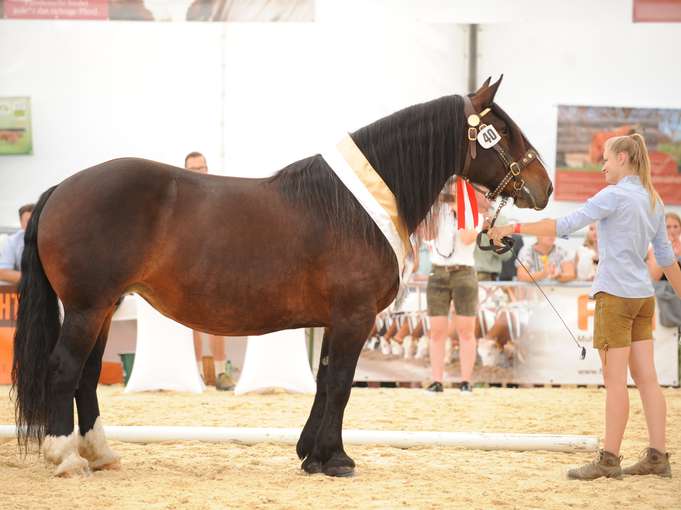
x=454, y=267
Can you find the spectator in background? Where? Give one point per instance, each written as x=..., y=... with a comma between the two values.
x=452, y=279
x=545, y=261
x=196, y=162
x=673, y=225
x=10, y=256
x=586, y=258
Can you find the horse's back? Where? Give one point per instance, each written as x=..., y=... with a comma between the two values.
x=133, y=224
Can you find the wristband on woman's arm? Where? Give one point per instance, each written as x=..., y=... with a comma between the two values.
x=516, y=228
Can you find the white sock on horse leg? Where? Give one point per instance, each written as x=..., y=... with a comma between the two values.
x=57, y=448
x=63, y=451
x=199, y=365
x=94, y=448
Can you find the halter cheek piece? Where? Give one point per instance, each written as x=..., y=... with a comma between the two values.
x=514, y=167
x=514, y=171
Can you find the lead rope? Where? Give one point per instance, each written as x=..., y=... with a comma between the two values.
x=502, y=204
x=508, y=242
x=582, y=349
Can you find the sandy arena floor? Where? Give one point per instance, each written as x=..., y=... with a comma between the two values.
x=206, y=476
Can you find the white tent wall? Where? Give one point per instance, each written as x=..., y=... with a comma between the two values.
x=101, y=90
x=294, y=89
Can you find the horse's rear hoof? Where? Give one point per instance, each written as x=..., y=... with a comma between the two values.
x=73, y=465
x=340, y=471
x=311, y=466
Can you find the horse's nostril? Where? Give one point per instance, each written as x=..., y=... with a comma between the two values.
x=549, y=190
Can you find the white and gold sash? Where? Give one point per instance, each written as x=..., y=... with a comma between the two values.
x=357, y=174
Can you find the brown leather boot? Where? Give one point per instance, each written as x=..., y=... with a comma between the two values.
x=651, y=462
x=605, y=464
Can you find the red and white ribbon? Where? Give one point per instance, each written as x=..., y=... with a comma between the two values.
x=466, y=205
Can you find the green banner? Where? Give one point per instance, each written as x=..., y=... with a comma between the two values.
x=15, y=126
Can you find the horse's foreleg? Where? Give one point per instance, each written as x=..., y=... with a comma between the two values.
x=307, y=437
x=346, y=339
x=76, y=340
x=91, y=442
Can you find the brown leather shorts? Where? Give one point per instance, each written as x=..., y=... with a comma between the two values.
x=452, y=283
x=619, y=321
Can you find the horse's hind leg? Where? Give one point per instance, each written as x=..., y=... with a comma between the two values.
x=307, y=437
x=92, y=443
x=76, y=340
x=346, y=338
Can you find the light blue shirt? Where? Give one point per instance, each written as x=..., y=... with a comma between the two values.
x=10, y=255
x=626, y=227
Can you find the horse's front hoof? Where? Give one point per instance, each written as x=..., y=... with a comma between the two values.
x=340, y=471
x=110, y=464
x=311, y=466
x=339, y=465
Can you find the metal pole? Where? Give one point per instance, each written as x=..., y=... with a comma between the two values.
x=472, y=57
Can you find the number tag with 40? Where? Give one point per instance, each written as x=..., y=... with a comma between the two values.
x=488, y=137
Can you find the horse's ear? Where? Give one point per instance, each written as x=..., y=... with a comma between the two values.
x=484, y=85
x=485, y=96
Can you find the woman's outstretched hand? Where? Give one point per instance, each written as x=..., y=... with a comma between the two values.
x=496, y=233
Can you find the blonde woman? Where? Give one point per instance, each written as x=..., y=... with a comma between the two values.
x=624, y=298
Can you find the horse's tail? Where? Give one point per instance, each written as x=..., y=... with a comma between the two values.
x=37, y=330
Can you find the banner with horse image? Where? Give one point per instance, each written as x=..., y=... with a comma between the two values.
x=582, y=132
x=161, y=10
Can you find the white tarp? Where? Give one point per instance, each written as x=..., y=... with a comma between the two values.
x=276, y=361
x=164, y=358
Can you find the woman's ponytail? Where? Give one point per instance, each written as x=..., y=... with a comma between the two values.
x=635, y=147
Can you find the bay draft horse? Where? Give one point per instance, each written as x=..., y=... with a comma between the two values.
x=233, y=256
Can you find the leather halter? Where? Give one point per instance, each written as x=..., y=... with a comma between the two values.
x=514, y=168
